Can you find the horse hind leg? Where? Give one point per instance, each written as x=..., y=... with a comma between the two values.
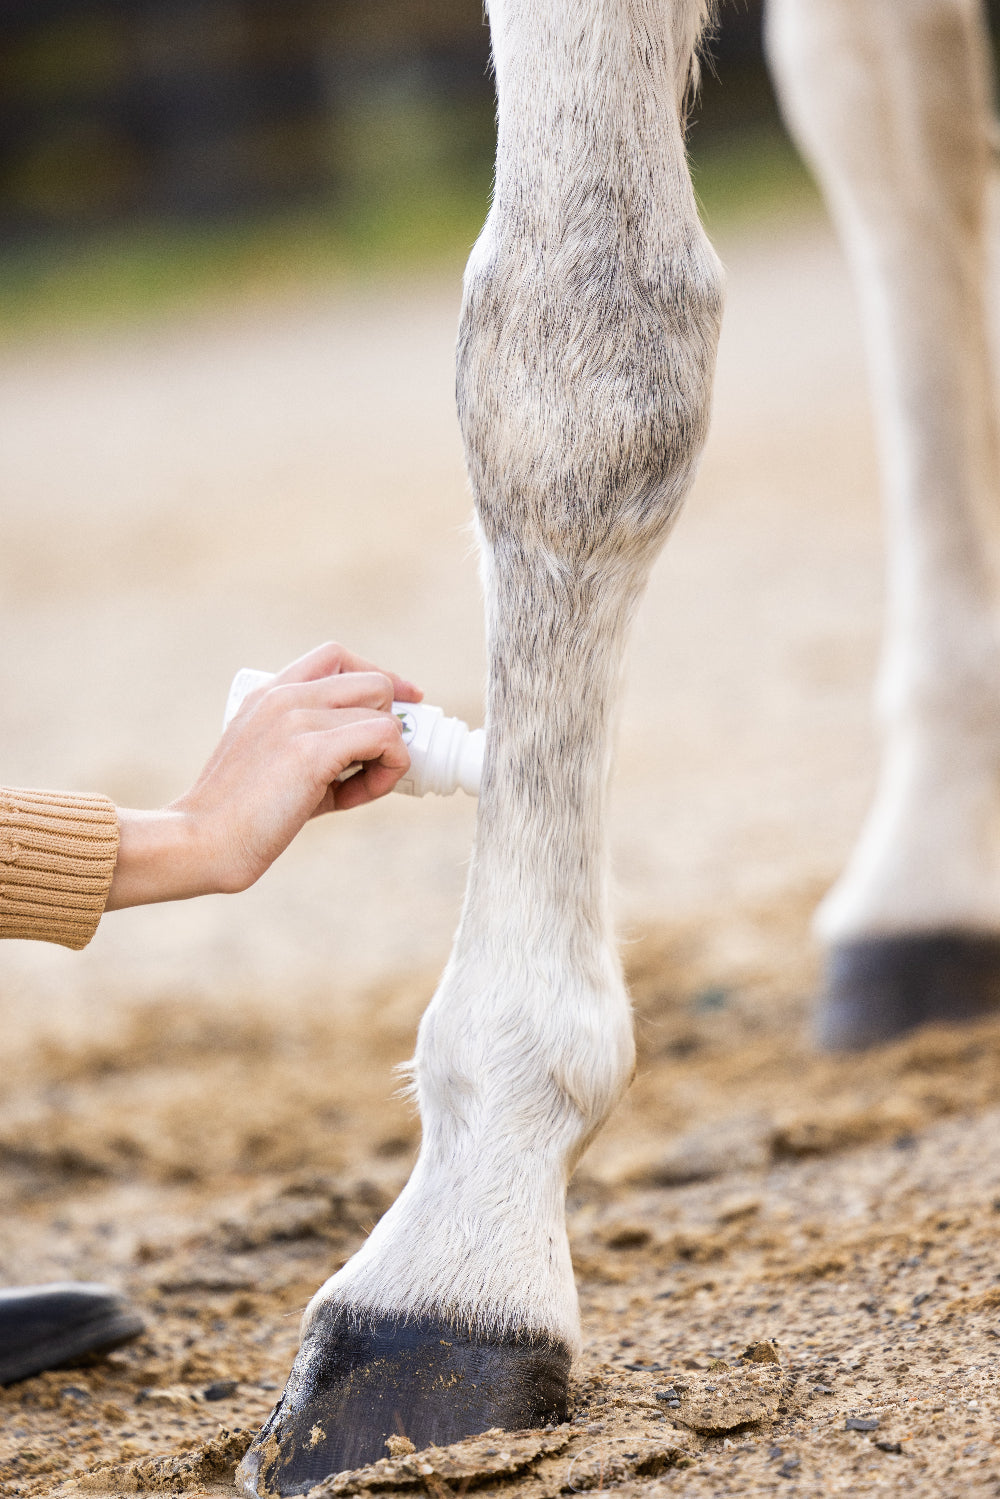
x=891, y=101
x=586, y=353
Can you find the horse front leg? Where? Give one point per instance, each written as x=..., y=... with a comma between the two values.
x=585, y=360
x=891, y=99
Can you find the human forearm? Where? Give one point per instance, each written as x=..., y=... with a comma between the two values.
x=159, y=858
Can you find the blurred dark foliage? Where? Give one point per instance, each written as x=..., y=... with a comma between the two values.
x=186, y=108
x=120, y=110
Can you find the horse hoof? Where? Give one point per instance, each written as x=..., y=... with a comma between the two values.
x=878, y=988
x=359, y=1380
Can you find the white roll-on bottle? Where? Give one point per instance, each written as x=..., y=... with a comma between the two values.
x=445, y=754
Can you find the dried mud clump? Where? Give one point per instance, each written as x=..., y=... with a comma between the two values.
x=541, y=1463
x=213, y=1461
x=730, y=1399
x=760, y=1353
x=477, y=1460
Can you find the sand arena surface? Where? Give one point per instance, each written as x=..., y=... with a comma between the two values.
x=199, y=1108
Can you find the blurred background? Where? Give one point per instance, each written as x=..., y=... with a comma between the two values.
x=148, y=147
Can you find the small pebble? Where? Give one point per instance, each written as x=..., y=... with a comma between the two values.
x=219, y=1389
x=894, y=1447
x=861, y=1423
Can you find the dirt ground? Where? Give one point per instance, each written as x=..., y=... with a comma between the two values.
x=787, y=1262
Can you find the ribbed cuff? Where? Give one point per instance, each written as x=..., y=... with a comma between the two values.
x=57, y=859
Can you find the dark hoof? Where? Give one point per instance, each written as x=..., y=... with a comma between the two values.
x=878, y=988
x=42, y=1327
x=356, y=1382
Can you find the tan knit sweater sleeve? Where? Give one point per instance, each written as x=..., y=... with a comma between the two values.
x=57, y=857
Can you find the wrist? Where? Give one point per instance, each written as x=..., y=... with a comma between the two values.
x=159, y=859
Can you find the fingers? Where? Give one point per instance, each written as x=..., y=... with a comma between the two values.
x=354, y=689
x=376, y=742
x=326, y=660
x=367, y=786
x=332, y=659
x=375, y=779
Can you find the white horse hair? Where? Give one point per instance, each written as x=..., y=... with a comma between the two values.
x=585, y=362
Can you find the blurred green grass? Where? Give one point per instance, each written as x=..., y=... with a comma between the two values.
x=388, y=225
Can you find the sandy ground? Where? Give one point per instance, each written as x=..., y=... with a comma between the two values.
x=199, y=1108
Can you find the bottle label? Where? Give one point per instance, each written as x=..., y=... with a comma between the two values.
x=407, y=724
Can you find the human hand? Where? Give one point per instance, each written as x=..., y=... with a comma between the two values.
x=274, y=768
